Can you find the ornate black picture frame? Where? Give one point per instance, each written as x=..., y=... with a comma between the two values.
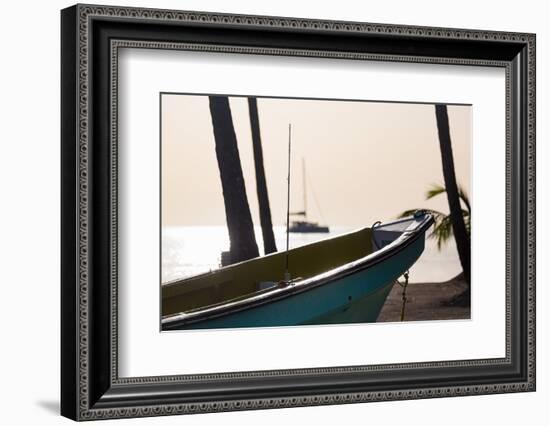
x=90, y=38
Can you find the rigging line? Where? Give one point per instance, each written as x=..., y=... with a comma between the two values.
x=304, y=187
x=287, y=274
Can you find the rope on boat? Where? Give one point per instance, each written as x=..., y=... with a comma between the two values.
x=405, y=275
x=374, y=225
x=404, y=293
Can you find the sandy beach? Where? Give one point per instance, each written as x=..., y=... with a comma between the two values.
x=425, y=301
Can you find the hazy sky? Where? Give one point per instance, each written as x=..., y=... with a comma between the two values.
x=365, y=161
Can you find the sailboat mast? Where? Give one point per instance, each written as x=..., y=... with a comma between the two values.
x=287, y=273
x=304, y=186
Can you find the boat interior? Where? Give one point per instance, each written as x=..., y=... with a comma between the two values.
x=262, y=273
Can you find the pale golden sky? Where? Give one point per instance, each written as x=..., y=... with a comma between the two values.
x=367, y=161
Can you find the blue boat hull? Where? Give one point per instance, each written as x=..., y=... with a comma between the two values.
x=354, y=298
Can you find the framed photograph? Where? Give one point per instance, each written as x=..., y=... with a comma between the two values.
x=263, y=212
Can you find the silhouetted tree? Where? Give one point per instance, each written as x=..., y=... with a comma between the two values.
x=457, y=219
x=443, y=226
x=261, y=185
x=237, y=212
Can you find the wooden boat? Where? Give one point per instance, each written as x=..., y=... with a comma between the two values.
x=344, y=279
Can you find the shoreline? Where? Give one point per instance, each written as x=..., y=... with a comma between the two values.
x=425, y=301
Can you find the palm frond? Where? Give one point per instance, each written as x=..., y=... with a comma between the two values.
x=407, y=213
x=411, y=212
x=438, y=189
x=464, y=197
x=443, y=227
x=442, y=230
x=435, y=190
x=466, y=216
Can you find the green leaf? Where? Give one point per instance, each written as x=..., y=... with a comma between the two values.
x=443, y=227
x=435, y=190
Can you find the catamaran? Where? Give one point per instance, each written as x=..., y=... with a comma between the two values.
x=304, y=225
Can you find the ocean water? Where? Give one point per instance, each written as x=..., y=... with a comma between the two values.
x=191, y=250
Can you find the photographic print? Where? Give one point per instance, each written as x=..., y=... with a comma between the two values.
x=291, y=211
x=259, y=183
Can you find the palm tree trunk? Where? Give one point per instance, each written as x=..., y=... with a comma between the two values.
x=261, y=186
x=459, y=228
x=237, y=212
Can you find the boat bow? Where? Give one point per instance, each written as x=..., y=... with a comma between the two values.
x=388, y=239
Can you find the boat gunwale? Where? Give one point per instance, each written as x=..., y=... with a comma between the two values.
x=181, y=281
x=407, y=238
